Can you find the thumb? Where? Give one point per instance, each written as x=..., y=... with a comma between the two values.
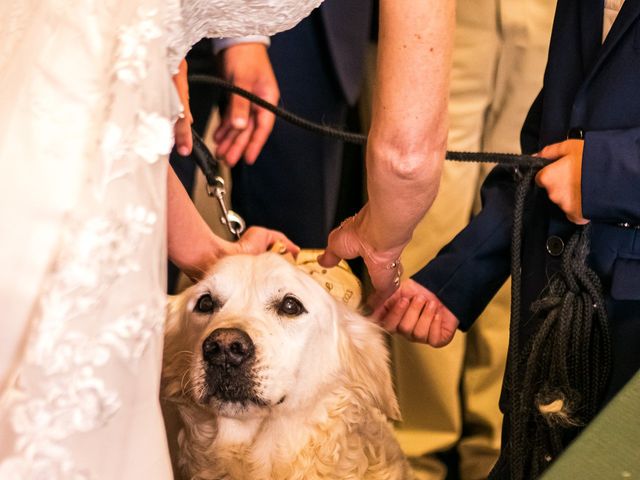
x=328, y=259
x=183, y=137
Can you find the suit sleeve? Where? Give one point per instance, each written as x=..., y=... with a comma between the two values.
x=467, y=273
x=611, y=176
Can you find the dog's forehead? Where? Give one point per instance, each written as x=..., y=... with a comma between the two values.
x=267, y=272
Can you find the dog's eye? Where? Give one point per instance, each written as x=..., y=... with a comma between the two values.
x=206, y=304
x=291, y=307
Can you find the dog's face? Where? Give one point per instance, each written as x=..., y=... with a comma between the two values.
x=259, y=334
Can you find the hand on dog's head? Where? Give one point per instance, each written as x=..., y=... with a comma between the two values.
x=259, y=336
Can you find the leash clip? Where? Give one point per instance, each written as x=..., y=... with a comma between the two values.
x=208, y=163
x=234, y=222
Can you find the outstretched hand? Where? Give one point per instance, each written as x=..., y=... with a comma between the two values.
x=418, y=315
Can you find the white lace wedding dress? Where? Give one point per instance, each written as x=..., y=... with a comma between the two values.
x=86, y=111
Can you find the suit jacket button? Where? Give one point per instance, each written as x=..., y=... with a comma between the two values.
x=555, y=246
x=575, y=132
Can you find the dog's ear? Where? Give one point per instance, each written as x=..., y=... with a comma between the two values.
x=176, y=309
x=172, y=370
x=366, y=359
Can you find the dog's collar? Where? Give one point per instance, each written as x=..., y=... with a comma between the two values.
x=339, y=281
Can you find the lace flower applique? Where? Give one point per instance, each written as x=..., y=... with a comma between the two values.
x=131, y=57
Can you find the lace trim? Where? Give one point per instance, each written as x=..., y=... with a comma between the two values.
x=225, y=18
x=61, y=390
x=64, y=393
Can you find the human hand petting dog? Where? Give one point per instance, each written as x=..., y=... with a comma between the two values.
x=203, y=255
x=258, y=240
x=563, y=178
x=349, y=241
x=418, y=315
x=245, y=127
x=194, y=248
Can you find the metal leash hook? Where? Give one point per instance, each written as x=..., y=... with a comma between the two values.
x=208, y=163
x=233, y=221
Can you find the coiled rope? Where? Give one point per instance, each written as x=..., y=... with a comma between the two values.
x=566, y=364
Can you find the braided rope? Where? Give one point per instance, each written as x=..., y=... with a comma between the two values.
x=358, y=138
x=566, y=363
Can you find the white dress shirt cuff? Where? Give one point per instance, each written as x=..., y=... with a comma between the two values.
x=220, y=44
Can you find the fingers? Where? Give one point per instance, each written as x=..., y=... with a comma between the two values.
x=411, y=317
x=226, y=139
x=183, y=136
x=563, y=186
x=239, y=109
x=577, y=220
x=555, y=151
x=264, y=121
x=234, y=144
x=443, y=328
x=279, y=237
x=424, y=324
x=342, y=243
x=257, y=240
x=235, y=150
x=232, y=136
x=395, y=310
x=182, y=128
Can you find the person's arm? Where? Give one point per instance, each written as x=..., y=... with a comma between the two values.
x=454, y=288
x=191, y=244
x=407, y=141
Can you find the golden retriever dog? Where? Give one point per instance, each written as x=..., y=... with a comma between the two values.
x=275, y=379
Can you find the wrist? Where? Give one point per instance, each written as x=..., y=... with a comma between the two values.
x=202, y=255
x=222, y=44
x=376, y=252
x=381, y=247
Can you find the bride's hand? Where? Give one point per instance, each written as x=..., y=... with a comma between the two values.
x=257, y=240
x=208, y=249
x=182, y=128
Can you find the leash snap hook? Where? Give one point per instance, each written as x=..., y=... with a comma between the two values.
x=232, y=220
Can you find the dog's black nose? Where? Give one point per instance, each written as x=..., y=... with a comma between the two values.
x=227, y=346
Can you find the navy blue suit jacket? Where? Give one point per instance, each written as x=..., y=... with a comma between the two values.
x=347, y=25
x=594, y=87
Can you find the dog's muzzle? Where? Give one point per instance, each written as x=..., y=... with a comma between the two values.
x=229, y=356
x=228, y=347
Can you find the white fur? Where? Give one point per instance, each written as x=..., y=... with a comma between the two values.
x=330, y=365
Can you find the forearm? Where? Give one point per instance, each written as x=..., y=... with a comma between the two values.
x=407, y=141
x=192, y=246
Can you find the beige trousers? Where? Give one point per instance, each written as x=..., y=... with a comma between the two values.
x=449, y=396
